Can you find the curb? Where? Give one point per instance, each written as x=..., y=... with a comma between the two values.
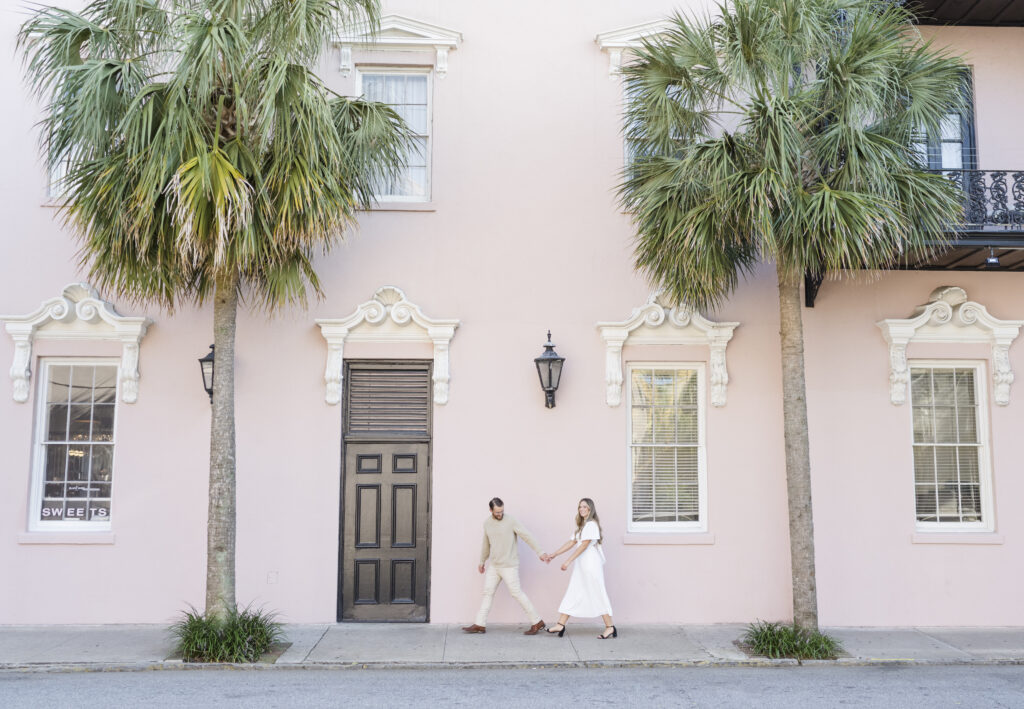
x=178, y=666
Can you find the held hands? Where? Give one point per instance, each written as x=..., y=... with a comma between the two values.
x=546, y=558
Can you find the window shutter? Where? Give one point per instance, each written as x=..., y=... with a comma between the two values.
x=388, y=401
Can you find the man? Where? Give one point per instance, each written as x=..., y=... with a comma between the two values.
x=501, y=534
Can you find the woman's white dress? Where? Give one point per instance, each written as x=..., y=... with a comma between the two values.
x=586, y=596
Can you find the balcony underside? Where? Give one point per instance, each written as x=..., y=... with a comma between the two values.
x=969, y=253
x=984, y=13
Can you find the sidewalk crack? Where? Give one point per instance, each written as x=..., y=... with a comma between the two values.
x=318, y=640
x=444, y=646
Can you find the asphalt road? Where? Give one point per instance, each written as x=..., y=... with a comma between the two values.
x=930, y=687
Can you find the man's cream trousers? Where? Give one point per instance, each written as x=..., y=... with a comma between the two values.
x=510, y=575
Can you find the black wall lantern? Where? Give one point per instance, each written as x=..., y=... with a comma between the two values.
x=206, y=366
x=549, y=367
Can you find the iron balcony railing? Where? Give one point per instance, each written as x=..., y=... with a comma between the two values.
x=993, y=200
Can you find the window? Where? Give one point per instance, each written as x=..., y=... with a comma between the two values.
x=950, y=456
x=953, y=148
x=667, y=490
x=409, y=94
x=75, y=445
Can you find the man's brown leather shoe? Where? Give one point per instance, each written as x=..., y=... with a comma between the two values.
x=535, y=628
x=475, y=628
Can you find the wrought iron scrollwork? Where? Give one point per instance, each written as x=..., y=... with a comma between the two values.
x=993, y=199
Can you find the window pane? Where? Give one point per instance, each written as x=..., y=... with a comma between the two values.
x=942, y=387
x=81, y=422
x=60, y=384
x=641, y=383
x=686, y=426
x=102, y=462
x=394, y=89
x=663, y=382
x=924, y=464
x=373, y=87
x=81, y=384
x=945, y=424
x=686, y=387
x=103, y=422
x=924, y=425
x=57, y=423
x=952, y=156
x=78, y=463
x=921, y=387
x=416, y=88
x=964, y=387
x=105, y=389
x=56, y=462
x=967, y=425
x=643, y=431
x=967, y=456
x=416, y=118
x=950, y=127
x=664, y=426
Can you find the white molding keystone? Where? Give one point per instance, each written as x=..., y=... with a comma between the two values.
x=401, y=33
x=77, y=313
x=948, y=317
x=387, y=317
x=615, y=42
x=657, y=322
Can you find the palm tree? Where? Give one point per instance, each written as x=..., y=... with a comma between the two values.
x=206, y=161
x=781, y=130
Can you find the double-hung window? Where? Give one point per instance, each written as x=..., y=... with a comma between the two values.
x=951, y=481
x=952, y=148
x=667, y=486
x=408, y=92
x=74, y=451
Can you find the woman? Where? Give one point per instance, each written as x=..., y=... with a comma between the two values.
x=586, y=595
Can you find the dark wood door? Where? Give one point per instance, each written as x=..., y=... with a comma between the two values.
x=385, y=519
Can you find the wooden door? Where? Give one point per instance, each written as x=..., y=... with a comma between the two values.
x=385, y=520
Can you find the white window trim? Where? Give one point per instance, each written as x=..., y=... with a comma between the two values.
x=397, y=32
x=389, y=199
x=77, y=313
x=948, y=317
x=388, y=317
x=673, y=528
x=39, y=459
x=987, y=525
x=616, y=42
x=657, y=322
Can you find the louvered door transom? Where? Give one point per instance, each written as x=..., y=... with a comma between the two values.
x=385, y=512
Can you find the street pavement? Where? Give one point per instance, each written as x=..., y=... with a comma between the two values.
x=791, y=687
x=126, y=647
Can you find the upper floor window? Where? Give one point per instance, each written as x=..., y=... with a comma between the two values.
x=408, y=92
x=668, y=486
x=74, y=451
x=950, y=454
x=952, y=148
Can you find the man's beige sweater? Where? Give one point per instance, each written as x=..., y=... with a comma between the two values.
x=500, y=538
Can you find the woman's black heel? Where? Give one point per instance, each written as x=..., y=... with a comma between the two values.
x=560, y=632
x=602, y=636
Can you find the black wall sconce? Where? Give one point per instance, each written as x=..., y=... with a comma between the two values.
x=549, y=368
x=206, y=366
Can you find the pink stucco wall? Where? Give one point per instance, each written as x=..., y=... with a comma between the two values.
x=523, y=234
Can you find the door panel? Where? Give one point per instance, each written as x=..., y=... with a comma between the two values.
x=384, y=531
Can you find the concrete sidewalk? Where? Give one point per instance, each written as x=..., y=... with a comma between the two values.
x=129, y=647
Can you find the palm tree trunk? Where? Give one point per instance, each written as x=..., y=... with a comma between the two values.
x=798, y=456
x=220, y=531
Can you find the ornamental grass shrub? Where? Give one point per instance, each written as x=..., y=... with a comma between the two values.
x=781, y=640
x=238, y=636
